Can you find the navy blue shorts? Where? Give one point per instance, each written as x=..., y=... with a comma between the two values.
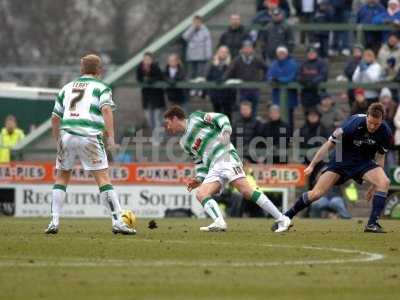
x=350, y=171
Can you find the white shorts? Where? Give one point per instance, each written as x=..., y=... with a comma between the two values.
x=225, y=171
x=89, y=150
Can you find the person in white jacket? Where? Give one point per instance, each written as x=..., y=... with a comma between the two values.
x=368, y=71
x=396, y=121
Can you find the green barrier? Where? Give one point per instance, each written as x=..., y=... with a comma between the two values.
x=27, y=112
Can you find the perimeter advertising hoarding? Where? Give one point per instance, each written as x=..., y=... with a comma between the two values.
x=84, y=200
x=148, y=189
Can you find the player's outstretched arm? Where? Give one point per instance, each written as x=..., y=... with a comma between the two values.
x=55, y=125
x=108, y=117
x=319, y=156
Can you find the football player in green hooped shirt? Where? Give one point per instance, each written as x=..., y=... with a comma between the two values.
x=206, y=138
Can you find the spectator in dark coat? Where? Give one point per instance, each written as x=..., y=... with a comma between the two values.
x=365, y=15
x=321, y=38
x=174, y=73
x=330, y=115
x=234, y=36
x=341, y=14
x=263, y=17
x=311, y=129
x=312, y=72
x=280, y=132
x=360, y=104
x=283, y=4
x=153, y=100
x=284, y=70
x=277, y=33
x=245, y=128
x=353, y=62
x=248, y=67
x=350, y=68
x=223, y=100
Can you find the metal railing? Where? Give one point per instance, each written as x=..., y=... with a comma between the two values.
x=329, y=85
x=358, y=29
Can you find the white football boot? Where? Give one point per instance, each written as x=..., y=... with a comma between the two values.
x=284, y=223
x=51, y=229
x=121, y=227
x=217, y=225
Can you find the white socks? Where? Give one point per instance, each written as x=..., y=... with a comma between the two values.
x=57, y=202
x=262, y=201
x=110, y=198
x=212, y=209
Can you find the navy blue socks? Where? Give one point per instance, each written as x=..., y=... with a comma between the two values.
x=378, y=204
x=298, y=206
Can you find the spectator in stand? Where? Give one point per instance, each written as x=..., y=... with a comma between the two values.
x=311, y=129
x=333, y=202
x=368, y=71
x=312, y=72
x=277, y=33
x=174, y=73
x=245, y=128
x=360, y=104
x=198, y=48
x=283, y=4
x=223, y=100
x=305, y=11
x=330, y=115
x=248, y=67
x=365, y=15
x=390, y=16
x=10, y=136
x=284, y=70
x=396, y=123
x=390, y=106
x=350, y=68
x=263, y=17
x=234, y=36
x=341, y=14
x=389, y=57
x=280, y=132
x=353, y=62
x=321, y=38
x=153, y=101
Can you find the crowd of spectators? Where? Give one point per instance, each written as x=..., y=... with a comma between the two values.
x=263, y=51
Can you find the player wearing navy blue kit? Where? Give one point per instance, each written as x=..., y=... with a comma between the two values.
x=363, y=141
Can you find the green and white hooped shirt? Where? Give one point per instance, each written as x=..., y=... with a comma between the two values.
x=79, y=104
x=201, y=142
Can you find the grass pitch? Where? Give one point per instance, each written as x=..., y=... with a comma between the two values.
x=318, y=259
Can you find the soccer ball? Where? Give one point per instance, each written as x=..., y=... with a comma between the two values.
x=129, y=218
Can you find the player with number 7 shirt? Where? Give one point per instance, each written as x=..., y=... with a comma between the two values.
x=206, y=138
x=82, y=116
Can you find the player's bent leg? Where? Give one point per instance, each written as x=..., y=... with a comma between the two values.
x=249, y=193
x=57, y=200
x=325, y=182
x=110, y=198
x=211, y=207
x=378, y=178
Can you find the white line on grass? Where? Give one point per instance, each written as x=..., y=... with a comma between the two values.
x=362, y=256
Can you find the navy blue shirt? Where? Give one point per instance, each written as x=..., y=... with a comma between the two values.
x=359, y=145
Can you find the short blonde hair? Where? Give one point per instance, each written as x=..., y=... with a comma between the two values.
x=91, y=64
